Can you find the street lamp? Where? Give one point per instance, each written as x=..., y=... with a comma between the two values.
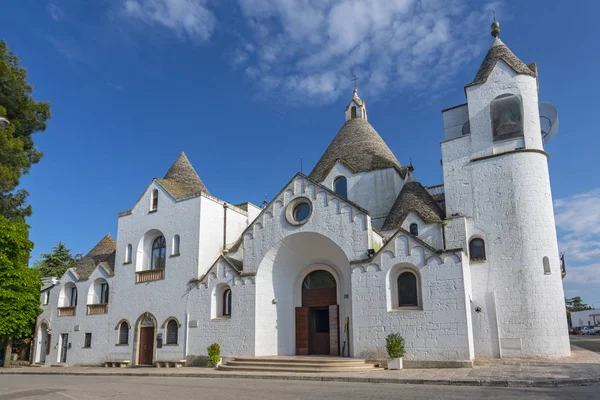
x=4, y=123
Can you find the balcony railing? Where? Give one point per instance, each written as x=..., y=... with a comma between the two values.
x=66, y=311
x=149, y=275
x=435, y=190
x=97, y=309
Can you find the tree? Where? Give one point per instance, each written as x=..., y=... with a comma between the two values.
x=575, y=304
x=19, y=285
x=17, y=150
x=57, y=262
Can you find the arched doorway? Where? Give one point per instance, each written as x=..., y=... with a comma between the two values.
x=317, y=320
x=146, y=334
x=43, y=347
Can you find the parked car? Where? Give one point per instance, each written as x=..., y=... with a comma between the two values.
x=592, y=330
x=572, y=331
x=587, y=330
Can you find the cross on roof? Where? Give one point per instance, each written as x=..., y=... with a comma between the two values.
x=355, y=79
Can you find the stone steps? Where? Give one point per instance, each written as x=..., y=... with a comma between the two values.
x=297, y=364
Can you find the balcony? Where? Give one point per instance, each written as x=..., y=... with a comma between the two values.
x=436, y=190
x=149, y=275
x=66, y=311
x=97, y=309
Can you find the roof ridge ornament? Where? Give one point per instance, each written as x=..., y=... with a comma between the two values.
x=495, y=27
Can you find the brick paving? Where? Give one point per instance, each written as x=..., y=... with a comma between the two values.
x=581, y=368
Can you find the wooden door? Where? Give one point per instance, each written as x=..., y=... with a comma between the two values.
x=146, y=346
x=302, y=331
x=334, y=335
x=64, y=346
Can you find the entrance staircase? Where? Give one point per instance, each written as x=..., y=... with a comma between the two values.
x=314, y=364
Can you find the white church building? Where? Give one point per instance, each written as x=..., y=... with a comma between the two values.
x=341, y=257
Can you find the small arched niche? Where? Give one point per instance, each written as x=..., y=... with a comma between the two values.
x=546, y=263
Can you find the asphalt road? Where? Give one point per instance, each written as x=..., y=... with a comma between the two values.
x=588, y=342
x=58, y=387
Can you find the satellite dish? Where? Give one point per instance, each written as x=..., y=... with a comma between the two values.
x=548, y=120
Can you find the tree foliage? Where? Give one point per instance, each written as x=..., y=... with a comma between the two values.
x=57, y=262
x=19, y=285
x=575, y=304
x=17, y=150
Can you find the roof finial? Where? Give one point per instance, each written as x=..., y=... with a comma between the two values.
x=495, y=26
x=355, y=79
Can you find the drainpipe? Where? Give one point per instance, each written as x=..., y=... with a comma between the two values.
x=187, y=335
x=225, y=207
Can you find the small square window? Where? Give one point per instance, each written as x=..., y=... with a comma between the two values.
x=87, y=343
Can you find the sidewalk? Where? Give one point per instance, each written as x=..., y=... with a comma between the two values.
x=581, y=368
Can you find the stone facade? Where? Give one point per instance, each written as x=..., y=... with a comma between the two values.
x=237, y=275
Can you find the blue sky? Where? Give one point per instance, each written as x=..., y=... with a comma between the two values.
x=247, y=87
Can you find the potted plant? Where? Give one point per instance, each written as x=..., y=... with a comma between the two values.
x=394, y=344
x=214, y=354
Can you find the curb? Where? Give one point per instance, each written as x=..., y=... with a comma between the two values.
x=409, y=381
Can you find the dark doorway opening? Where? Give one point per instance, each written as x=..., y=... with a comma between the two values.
x=317, y=320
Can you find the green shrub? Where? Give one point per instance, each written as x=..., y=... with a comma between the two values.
x=214, y=354
x=394, y=344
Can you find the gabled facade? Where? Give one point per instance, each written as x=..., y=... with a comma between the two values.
x=340, y=258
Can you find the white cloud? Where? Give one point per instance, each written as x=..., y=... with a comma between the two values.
x=585, y=275
x=189, y=18
x=578, y=225
x=55, y=12
x=312, y=47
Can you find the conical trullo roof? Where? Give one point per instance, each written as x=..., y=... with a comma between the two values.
x=359, y=146
x=413, y=197
x=102, y=253
x=182, y=179
x=499, y=51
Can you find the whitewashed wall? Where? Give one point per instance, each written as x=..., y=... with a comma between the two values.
x=438, y=331
x=375, y=191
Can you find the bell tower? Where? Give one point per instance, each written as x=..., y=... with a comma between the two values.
x=499, y=203
x=357, y=107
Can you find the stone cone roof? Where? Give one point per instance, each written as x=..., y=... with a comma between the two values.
x=102, y=253
x=413, y=197
x=499, y=51
x=182, y=180
x=359, y=147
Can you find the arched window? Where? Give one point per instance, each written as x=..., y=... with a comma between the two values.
x=128, y=254
x=507, y=117
x=124, y=333
x=227, y=302
x=159, y=249
x=340, y=186
x=414, y=229
x=546, y=263
x=407, y=290
x=477, y=250
x=154, y=205
x=172, y=330
x=175, y=250
x=353, y=112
